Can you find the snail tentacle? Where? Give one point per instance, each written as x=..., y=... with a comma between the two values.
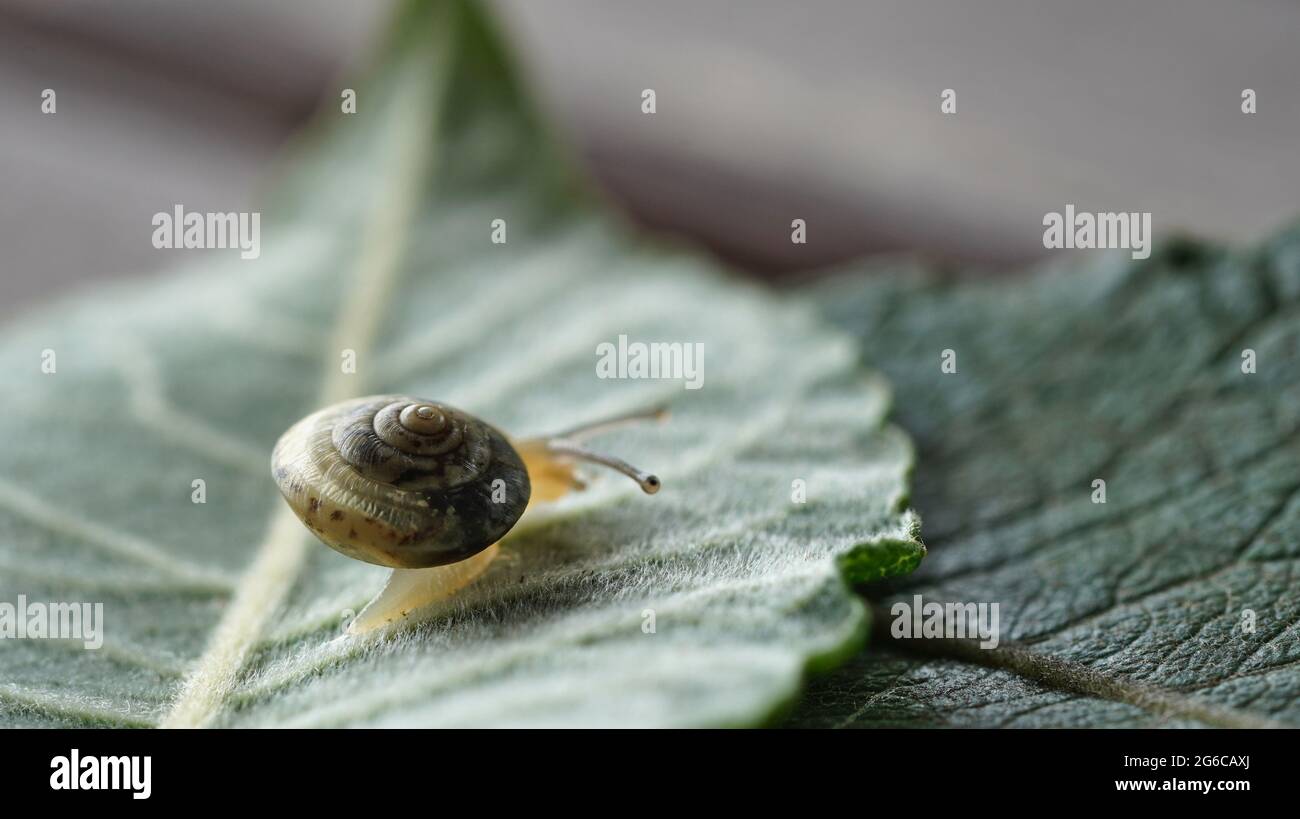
x=551, y=458
x=591, y=429
x=648, y=482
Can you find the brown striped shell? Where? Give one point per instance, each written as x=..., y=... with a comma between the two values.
x=401, y=482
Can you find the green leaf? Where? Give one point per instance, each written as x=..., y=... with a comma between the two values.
x=228, y=613
x=1131, y=612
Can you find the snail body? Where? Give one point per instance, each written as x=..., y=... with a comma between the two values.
x=423, y=488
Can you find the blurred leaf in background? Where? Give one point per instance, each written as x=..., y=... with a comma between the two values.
x=1176, y=381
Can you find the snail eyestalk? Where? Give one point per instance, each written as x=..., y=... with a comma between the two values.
x=591, y=430
x=550, y=458
x=562, y=446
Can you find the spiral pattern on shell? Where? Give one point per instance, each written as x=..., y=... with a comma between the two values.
x=400, y=481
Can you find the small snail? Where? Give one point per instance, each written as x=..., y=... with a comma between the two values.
x=425, y=489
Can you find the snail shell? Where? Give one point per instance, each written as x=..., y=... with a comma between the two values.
x=401, y=482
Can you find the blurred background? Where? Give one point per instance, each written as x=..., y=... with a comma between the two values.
x=767, y=111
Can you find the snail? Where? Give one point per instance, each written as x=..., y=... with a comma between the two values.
x=425, y=489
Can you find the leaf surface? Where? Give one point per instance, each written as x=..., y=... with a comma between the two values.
x=1137, y=611
x=227, y=613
